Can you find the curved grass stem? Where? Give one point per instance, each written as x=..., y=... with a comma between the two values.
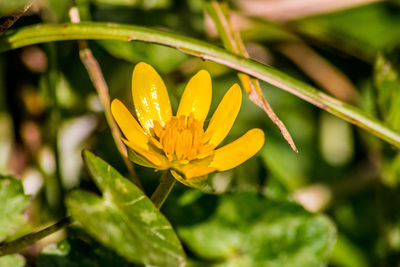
x=97, y=30
x=29, y=239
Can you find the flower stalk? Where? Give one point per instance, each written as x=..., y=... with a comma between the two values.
x=162, y=191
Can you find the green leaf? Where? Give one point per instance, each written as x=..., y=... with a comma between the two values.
x=391, y=170
x=249, y=176
x=347, y=254
x=249, y=230
x=387, y=83
x=124, y=219
x=12, y=260
x=360, y=31
x=289, y=168
x=136, y=3
x=10, y=6
x=78, y=253
x=13, y=203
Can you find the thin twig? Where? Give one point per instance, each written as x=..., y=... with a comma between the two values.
x=29, y=239
x=97, y=78
x=8, y=20
x=162, y=191
x=233, y=42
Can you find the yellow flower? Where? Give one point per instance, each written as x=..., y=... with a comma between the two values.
x=179, y=143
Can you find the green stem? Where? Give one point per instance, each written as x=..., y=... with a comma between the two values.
x=97, y=30
x=29, y=239
x=162, y=191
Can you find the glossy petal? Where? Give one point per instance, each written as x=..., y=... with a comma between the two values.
x=153, y=157
x=192, y=171
x=225, y=115
x=237, y=152
x=128, y=124
x=150, y=96
x=197, y=96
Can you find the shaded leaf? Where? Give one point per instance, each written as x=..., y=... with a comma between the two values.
x=136, y=3
x=346, y=254
x=275, y=189
x=10, y=6
x=387, y=83
x=13, y=203
x=249, y=230
x=391, y=170
x=360, y=31
x=124, y=219
x=76, y=252
x=290, y=169
x=166, y=59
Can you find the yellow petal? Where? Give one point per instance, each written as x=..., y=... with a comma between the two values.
x=225, y=115
x=150, y=96
x=155, y=158
x=197, y=96
x=237, y=152
x=192, y=171
x=128, y=124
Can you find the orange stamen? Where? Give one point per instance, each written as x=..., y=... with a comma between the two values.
x=182, y=139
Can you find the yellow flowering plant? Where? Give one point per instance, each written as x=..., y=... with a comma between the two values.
x=180, y=143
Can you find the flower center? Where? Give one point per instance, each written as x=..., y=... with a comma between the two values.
x=182, y=138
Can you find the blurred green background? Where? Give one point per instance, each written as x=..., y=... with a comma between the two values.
x=49, y=112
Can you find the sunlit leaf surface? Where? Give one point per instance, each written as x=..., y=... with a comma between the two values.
x=12, y=260
x=13, y=203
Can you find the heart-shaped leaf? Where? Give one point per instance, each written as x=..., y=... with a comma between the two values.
x=124, y=219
